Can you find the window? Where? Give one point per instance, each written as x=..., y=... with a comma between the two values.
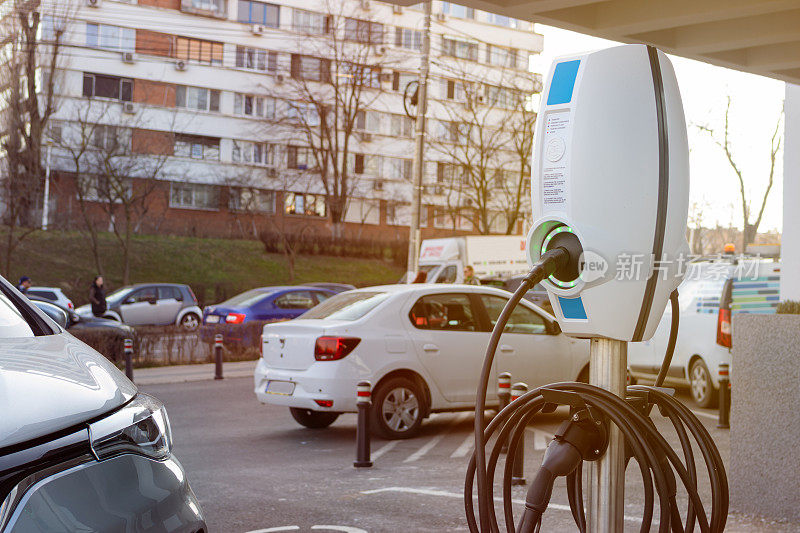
x=259, y=13
x=197, y=98
x=253, y=106
x=302, y=113
x=453, y=90
x=401, y=126
x=348, y=306
x=460, y=48
x=310, y=22
x=502, y=97
x=368, y=121
x=55, y=129
x=167, y=292
x=208, y=52
x=146, y=295
x=255, y=59
x=501, y=57
x=193, y=196
x=300, y=158
x=110, y=37
x=400, y=80
x=508, y=22
x=251, y=200
x=310, y=68
x=446, y=131
x=363, y=31
x=406, y=38
x=295, y=300
x=104, y=189
x=197, y=147
x=298, y=203
x=253, y=152
x=397, y=169
x=457, y=10
x=216, y=7
x=111, y=138
x=102, y=86
x=445, y=312
x=522, y=320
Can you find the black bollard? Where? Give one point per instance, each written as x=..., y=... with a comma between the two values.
x=128, y=351
x=724, y=397
x=363, y=402
x=504, y=395
x=517, y=474
x=218, y=356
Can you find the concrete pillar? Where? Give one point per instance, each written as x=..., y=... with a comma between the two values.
x=790, y=239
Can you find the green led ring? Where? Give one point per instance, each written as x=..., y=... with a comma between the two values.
x=555, y=231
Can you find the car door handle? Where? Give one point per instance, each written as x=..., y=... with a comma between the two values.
x=505, y=348
x=430, y=348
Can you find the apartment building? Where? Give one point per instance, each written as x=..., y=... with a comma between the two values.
x=185, y=97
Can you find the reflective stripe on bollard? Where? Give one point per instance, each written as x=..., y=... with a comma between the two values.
x=363, y=402
x=128, y=352
x=218, y=356
x=724, y=397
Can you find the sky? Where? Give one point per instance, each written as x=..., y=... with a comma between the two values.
x=756, y=104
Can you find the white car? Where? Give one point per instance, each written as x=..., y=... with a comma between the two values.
x=704, y=340
x=54, y=294
x=421, y=346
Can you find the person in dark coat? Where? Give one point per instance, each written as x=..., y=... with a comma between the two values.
x=97, y=297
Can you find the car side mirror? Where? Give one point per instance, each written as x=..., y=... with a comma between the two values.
x=129, y=301
x=152, y=300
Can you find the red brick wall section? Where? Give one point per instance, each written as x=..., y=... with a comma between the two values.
x=152, y=142
x=154, y=93
x=167, y=4
x=153, y=43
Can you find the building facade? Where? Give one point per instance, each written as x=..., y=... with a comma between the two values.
x=188, y=116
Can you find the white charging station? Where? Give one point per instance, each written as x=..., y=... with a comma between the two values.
x=611, y=166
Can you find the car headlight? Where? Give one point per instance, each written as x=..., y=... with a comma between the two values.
x=140, y=427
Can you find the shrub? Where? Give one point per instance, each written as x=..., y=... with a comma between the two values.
x=788, y=307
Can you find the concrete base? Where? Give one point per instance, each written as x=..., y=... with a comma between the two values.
x=765, y=416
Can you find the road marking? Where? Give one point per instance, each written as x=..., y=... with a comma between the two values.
x=446, y=494
x=389, y=446
x=464, y=448
x=428, y=446
x=275, y=529
x=346, y=529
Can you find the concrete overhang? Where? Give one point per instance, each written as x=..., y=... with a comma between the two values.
x=757, y=36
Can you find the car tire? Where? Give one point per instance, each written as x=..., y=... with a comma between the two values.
x=701, y=387
x=397, y=409
x=313, y=419
x=190, y=322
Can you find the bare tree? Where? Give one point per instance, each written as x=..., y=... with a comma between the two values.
x=341, y=73
x=31, y=59
x=750, y=226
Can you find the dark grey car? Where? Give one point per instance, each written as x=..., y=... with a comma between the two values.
x=80, y=448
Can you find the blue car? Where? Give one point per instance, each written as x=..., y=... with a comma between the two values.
x=266, y=304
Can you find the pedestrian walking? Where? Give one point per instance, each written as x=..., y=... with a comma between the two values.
x=469, y=276
x=24, y=284
x=97, y=297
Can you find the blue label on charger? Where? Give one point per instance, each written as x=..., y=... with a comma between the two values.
x=563, y=82
x=572, y=308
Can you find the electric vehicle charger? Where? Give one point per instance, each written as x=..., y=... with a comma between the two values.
x=582, y=438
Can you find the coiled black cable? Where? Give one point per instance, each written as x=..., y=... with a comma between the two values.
x=659, y=464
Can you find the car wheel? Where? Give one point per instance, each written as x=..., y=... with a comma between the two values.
x=313, y=419
x=190, y=322
x=703, y=392
x=397, y=409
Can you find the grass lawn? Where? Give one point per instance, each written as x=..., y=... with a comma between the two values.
x=215, y=268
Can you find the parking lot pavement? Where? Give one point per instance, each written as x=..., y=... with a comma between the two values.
x=199, y=372
x=253, y=468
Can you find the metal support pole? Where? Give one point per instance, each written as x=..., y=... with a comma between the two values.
x=218, y=356
x=724, y=397
x=419, y=149
x=363, y=402
x=504, y=395
x=128, y=351
x=608, y=363
x=518, y=469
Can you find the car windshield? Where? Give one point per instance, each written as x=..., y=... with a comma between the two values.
x=347, y=306
x=12, y=323
x=422, y=268
x=118, y=295
x=248, y=298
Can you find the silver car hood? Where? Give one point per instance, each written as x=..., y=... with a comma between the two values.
x=53, y=382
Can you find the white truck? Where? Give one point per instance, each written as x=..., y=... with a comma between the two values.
x=443, y=260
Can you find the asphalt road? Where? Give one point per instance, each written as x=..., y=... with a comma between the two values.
x=255, y=469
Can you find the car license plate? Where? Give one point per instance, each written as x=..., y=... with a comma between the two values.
x=212, y=319
x=286, y=388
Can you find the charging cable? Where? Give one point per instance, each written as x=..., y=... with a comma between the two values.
x=583, y=437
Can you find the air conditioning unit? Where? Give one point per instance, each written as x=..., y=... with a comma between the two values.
x=93, y=3
x=441, y=17
x=181, y=64
x=128, y=57
x=377, y=185
x=366, y=137
x=380, y=50
x=397, y=10
x=129, y=107
x=257, y=29
x=365, y=5
x=279, y=78
x=272, y=172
